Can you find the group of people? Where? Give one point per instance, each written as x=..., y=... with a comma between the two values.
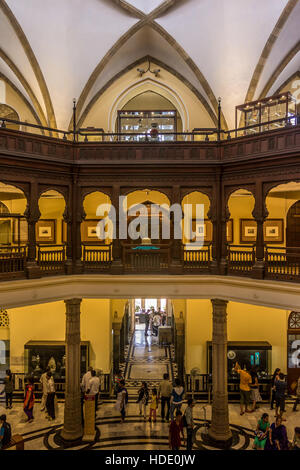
x=153, y=320
x=274, y=436
x=170, y=397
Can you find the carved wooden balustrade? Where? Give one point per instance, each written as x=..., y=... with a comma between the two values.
x=51, y=259
x=241, y=259
x=12, y=261
x=96, y=258
x=282, y=263
x=138, y=259
x=196, y=260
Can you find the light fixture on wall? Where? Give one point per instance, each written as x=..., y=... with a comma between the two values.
x=142, y=71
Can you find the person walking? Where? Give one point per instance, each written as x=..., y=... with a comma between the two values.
x=175, y=431
x=86, y=379
x=156, y=323
x=245, y=381
x=122, y=400
x=153, y=405
x=8, y=389
x=29, y=400
x=189, y=423
x=274, y=377
x=277, y=438
x=43, y=381
x=50, y=403
x=94, y=388
x=176, y=397
x=5, y=432
x=280, y=391
x=143, y=399
x=164, y=394
x=262, y=432
x=255, y=395
x=147, y=322
x=297, y=395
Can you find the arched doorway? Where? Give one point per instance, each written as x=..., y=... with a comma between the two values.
x=293, y=350
x=293, y=226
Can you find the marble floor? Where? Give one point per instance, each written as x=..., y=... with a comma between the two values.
x=145, y=360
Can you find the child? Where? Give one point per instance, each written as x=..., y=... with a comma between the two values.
x=153, y=405
x=143, y=399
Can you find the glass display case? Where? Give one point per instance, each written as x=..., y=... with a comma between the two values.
x=145, y=122
x=256, y=115
x=254, y=353
x=39, y=355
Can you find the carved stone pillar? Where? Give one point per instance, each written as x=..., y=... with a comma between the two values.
x=260, y=213
x=72, y=429
x=32, y=215
x=176, y=266
x=117, y=265
x=116, y=326
x=69, y=246
x=219, y=432
x=225, y=215
x=180, y=346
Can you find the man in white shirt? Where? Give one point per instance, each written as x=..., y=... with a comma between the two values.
x=94, y=387
x=86, y=379
x=44, y=381
x=156, y=323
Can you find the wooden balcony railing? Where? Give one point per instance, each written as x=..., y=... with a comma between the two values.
x=138, y=259
x=12, y=261
x=96, y=258
x=241, y=259
x=196, y=259
x=282, y=263
x=51, y=258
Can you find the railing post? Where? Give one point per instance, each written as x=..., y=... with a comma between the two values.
x=260, y=213
x=117, y=266
x=32, y=215
x=215, y=217
x=176, y=266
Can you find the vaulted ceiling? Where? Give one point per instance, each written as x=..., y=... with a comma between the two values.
x=55, y=50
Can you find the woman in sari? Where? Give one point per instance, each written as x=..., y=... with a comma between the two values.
x=29, y=400
x=277, y=439
x=261, y=433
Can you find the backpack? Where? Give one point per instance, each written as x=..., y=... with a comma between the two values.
x=7, y=434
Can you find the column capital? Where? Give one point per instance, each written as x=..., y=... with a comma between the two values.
x=72, y=302
x=219, y=303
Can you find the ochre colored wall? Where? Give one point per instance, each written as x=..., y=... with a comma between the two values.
x=46, y=322
x=53, y=208
x=245, y=323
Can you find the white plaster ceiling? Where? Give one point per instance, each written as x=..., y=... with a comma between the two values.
x=220, y=44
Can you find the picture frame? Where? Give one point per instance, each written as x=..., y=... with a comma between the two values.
x=88, y=231
x=23, y=231
x=45, y=231
x=229, y=231
x=248, y=230
x=274, y=231
x=206, y=229
x=64, y=233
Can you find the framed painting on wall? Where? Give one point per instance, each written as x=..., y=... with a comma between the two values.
x=248, y=230
x=64, y=235
x=45, y=231
x=203, y=228
x=229, y=231
x=89, y=231
x=23, y=231
x=273, y=230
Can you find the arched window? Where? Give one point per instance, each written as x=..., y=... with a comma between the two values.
x=4, y=318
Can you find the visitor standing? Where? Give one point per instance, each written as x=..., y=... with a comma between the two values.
x=94, y=387
x=280, y=391
x=164, y=394
x=274, y=377
x=277, y=438
x=297, y=395
x=86, y=379
x=156, y=323
x=245, y=381
x=122, y=400
x=176, y=397
x=176, y=431
x=189, y=423
x=29, y=400
x=296, y=439
x=50, y=403
x=262, y=432
x=143, y=399
x=153, y=405
x=255, y=395
x=147, y=322
x=43, y=381
x=5, y=432
x=8, y=389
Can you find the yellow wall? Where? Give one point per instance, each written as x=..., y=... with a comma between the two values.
x=245, y=323
x=53, y=208
x=240, y=207
x=46, y=322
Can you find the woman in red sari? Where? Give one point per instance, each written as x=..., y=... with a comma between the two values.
x=29, y=400
x=176, y=428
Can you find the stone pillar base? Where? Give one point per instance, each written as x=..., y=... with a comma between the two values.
x=214, y=267
x=214, y=441
x=32, y=270
x=258, y=270
x=117, y=267
x=176, y=268
x=78, y=267
x=62, y=441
